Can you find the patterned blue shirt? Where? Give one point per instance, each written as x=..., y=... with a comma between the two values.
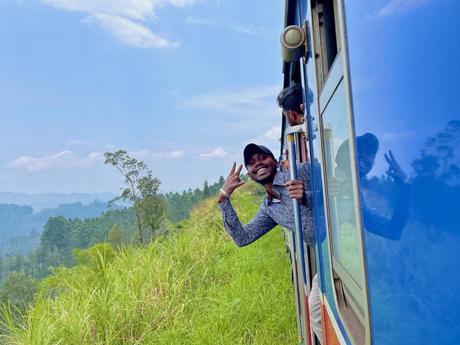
x=272, y=212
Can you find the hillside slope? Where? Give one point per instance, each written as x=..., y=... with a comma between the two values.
x=192, y=287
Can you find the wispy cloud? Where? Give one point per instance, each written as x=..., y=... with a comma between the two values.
x=245, y=100
x=145, y=154
x=79, y=142
x=398, y=135
x=394, y=7
x=67, y=159
x=216, y=153
x=62, y=160
x=268, y=138
x=125, y=20
x=129, y=32
x=258, y=31
x=193, y=20
x=273, y=133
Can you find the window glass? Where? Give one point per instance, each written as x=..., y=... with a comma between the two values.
x=341, y=206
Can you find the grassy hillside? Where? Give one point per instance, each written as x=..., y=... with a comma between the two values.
x=192, y=287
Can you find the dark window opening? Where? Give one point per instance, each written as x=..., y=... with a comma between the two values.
x=326, y=35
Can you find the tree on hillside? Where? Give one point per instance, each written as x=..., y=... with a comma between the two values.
x=115, y=237
x=56, y=241
x=206, y=191
x=152, y=205
x=140, y=188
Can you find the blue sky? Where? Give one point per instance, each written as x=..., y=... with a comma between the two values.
x=181, y=84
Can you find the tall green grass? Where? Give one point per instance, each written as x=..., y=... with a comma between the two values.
x=192, y=287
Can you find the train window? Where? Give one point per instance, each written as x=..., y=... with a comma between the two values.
x=343, y=212
x=327, y=36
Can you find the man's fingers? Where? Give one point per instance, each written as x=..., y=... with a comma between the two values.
x=240, y=184
x=387, y=158
x=293, y=182
x=233, y=169
x=391, y=155
x=239, y=170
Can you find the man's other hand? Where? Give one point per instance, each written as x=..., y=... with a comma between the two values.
x=295, y=189
x=394, y=169
x=232, y=182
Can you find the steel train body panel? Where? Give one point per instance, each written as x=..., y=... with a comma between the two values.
x=405, y=87
x=402, y=60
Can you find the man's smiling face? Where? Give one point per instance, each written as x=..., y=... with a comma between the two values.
x=262, y=168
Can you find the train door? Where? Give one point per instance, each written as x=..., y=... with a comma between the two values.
x=339, y=251
x=347, y=272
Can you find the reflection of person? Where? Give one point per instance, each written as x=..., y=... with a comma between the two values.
x=367, y=146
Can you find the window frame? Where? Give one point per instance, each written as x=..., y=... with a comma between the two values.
x=327, y=84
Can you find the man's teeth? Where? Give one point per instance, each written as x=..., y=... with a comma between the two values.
x=261, y=171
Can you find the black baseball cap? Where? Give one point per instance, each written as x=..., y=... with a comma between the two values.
x=252, y=148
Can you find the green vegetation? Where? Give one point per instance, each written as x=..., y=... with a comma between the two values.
x=179, y=205
x=191, y=286
x=140, y=190
x=60, y=236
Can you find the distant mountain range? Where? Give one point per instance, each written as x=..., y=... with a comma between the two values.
x=23, y=216
x=51, y=200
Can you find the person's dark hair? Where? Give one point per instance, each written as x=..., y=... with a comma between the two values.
x=291, y=97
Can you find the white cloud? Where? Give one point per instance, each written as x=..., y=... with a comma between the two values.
x=398, y=135
x=79, y=142
x=182, y=3
x=96, y=156
x=400, y=6
x=62, y=160
x=258, y=31
x=145, y=154
x=66, y=159
x=217, y=153
x=246, y=100
x=175, y=154
x=134, y=9
x=269, y=138
x=202, y=21
x=129, y=32
x=124, y=19
x=273, y=133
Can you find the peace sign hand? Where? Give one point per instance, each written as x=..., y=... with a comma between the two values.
x=394, y=170
x=233, y=181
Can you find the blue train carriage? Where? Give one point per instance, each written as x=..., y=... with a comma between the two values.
x=382, y=97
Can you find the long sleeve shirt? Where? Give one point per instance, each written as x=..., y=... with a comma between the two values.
x=272, y=212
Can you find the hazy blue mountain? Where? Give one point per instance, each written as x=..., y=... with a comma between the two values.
x=51, y=200
x=20, y=226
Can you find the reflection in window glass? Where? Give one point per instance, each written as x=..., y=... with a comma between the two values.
x=341, y=205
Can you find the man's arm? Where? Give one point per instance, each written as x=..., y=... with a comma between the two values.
x=241, y=234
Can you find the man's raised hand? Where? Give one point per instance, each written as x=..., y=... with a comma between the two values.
x=394, y=169
x=232, y=182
